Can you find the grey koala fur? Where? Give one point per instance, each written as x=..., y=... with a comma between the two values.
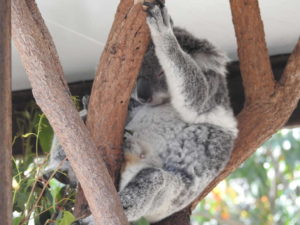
x=181, y=128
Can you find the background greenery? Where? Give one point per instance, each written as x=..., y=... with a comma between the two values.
x=265, y=190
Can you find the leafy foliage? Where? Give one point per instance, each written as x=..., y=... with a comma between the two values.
x=36, y=201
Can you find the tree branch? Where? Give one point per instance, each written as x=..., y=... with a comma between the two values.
x=290, y=76
x=42, y=65
x=5, y=114
x=256, y=68
x=116, y=74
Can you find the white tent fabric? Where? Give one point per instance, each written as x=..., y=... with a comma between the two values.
x=80, y=28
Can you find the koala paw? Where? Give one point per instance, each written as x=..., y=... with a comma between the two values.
x=158, y=18
x=130, y=206
x=62, y=176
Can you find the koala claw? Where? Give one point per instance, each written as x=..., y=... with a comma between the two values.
x=159, y=21
x=147, y=5
x=61, y=176
x=161, y=3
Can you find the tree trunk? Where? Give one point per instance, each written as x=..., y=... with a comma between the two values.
x=51, y=93
x=5, y=115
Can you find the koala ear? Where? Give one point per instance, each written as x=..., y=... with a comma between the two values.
x=171, y=22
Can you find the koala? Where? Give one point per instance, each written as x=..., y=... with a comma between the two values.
x=180, y=129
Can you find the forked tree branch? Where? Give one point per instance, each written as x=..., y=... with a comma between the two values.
x=51, y=93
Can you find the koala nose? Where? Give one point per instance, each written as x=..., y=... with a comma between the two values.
x=145, y=100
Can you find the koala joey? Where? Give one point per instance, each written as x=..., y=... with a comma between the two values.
x=181, y=128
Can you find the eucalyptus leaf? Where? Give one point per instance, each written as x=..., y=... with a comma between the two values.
x=67, y=218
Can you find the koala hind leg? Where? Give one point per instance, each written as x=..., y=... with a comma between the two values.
x=139, y=196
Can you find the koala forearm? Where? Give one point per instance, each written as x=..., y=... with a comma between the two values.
x=187, y=81
x=187, y=84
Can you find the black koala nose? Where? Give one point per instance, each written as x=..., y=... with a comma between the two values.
x=145, y=100
x=142, y=100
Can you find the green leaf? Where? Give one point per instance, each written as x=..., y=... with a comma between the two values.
x=17, y=220
x=45, y=135
x=55, y=188
x=67, y=218
x=20, y=200
x=142, y=221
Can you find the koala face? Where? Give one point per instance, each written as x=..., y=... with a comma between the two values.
x=151, y=87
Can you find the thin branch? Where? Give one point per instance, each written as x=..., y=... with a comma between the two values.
x=5, y=114
x=42, y=65
x=252, y=49
x=290, y=76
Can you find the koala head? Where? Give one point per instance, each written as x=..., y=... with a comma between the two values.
x=151, y=87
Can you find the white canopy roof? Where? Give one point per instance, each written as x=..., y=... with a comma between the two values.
x=80, y=28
